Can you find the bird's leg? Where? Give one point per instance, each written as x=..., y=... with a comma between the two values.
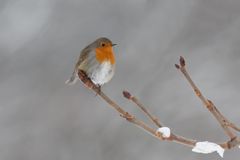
x=99, y=88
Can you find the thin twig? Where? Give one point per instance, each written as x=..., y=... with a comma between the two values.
x=233, y=126
x=224, y=122
x=155, y=120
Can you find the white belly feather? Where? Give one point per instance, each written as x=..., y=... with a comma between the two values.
x=102, y=73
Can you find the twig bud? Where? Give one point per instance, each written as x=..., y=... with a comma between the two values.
x=177, y=66
x=182, y=61
x=127, y=95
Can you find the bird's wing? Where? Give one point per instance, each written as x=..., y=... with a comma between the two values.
x=82, y=57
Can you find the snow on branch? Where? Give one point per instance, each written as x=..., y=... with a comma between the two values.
x=165, y=132
x=208, y=147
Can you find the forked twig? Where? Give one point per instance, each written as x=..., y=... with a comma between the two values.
x=173, y=137
x=176, y=138
x=129, y=117
x=224, y=122
x=88, y=83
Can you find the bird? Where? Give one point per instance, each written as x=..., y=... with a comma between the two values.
x=97, y=60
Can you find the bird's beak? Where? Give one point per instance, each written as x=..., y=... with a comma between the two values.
x=114, y=44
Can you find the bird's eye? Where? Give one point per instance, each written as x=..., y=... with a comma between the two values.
x=103, y=44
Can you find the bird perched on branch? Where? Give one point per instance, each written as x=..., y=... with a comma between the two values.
x=97, y=61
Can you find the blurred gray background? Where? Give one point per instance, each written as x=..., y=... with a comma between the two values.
x=41, y=118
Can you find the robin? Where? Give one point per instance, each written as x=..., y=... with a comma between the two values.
x=97, y=61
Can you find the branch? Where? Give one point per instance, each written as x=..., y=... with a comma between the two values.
x=129, y=117
x=176, y=138
x=224, y=122
x=89, y=84
x=173, y=137
x=153, y=118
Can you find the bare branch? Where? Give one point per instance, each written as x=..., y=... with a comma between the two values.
x=88, y=83
x=154, y=119
x=233, y=126
x=173, y=137
x=224, y=122
x=130, y=118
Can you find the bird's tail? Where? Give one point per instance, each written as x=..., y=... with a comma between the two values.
x=73, y=79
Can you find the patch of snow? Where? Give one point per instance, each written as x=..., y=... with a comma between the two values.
x=165, y=132
x=208, y=147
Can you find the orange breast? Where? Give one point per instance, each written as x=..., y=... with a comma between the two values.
x=105, y=54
